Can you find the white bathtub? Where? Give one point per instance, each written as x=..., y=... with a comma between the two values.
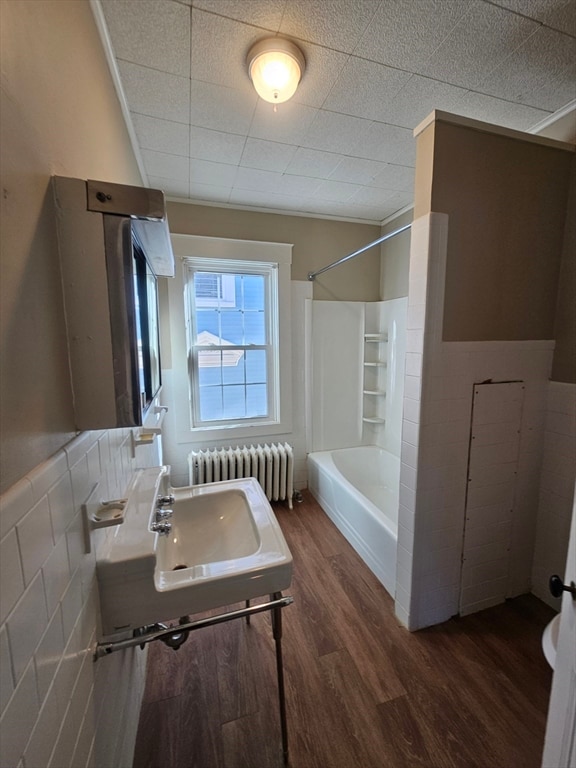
x=358, y=489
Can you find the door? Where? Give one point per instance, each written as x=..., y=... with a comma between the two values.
x=560, y=743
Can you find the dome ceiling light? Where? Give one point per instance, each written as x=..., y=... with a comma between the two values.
x=275, y=66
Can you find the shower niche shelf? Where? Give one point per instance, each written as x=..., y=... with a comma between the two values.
x=374, y=390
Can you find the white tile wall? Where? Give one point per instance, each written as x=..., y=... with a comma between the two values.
x=556, y=489
x=435, y=438
x=58, y=707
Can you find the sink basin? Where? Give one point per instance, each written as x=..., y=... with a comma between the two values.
x=225, y=546
x=205, y=533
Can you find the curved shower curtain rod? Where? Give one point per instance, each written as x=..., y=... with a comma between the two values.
x=312, y=275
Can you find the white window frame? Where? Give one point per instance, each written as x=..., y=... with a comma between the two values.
x=230, y=267
x=213, y=249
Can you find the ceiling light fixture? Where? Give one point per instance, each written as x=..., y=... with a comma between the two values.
x=275, y=66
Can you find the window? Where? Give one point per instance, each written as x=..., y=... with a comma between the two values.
x=228, y=353
x=233, y=343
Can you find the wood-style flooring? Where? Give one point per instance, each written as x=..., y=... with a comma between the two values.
x=361, y=691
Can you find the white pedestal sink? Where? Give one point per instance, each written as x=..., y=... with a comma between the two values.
x=224, y=546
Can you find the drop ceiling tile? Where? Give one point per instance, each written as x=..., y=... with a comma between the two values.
x=261, y=13
x=166, y=166
x=335, y=24
x=557, y=93
x=356, y=170
x=298, y=186
x=330, y=208
x=364, y=89
x=154, y=33
x=372, y=196
x=333, y=132
x=560, y=15
x=267, y=155
x=288, y=125
x=498, y=112
x=337, y=191
x=206, y=144
x=529, y=74
x=480, y=42
x=268, y=200
x=219, y=48
x=216, y=174
x=209, y=192
x=322, y=69
x=405, y=34
x=369, y=212
x=257, y=181
x=396, y=177
x=161, y=135
x=220, y=108
x=387, y=143
x=154, y=93
x=312, y=162
x=170, y=187
x=418, y=98
x=395, y=205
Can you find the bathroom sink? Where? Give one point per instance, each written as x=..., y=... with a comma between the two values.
x=224, y=546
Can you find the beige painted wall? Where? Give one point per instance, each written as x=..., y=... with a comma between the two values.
x=395, y=259
x=317, y=242
x=59, y=115
x=506, y=199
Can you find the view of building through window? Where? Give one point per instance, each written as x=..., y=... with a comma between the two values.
x=230, y=345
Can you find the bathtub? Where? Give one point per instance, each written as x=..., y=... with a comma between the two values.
x=358, y=489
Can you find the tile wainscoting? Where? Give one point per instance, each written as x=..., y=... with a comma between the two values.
x=58, y=707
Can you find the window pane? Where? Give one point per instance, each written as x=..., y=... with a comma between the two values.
x=254, y=328
x=233, y=368
x=233, y=326
x=253, y=292
x=207, y=285
x=207, y=326
x=234, y=402
x=211, y=403
x=256, y=366
x=209, y=368
x=256, y=404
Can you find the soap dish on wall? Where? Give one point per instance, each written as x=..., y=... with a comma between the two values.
x=100, y=514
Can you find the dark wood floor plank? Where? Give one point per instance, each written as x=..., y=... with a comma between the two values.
x=361, y=691
x=159, y=741
x=401, y=732
x=346, y=622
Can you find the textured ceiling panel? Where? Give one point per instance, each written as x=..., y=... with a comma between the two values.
x=160, y=39
x=344, y=145
x=337, y=24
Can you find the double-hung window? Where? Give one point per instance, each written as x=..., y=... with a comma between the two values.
x=232, y=312
x=230, y=344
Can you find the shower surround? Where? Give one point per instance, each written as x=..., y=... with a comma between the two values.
x=357, y=372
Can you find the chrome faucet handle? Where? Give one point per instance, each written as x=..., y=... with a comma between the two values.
x=164, y=501
x=163, y=514
x=162, y=528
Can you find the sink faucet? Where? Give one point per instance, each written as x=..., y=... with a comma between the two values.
x=165, y=501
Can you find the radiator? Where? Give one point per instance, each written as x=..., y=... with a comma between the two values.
x=272, y=465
